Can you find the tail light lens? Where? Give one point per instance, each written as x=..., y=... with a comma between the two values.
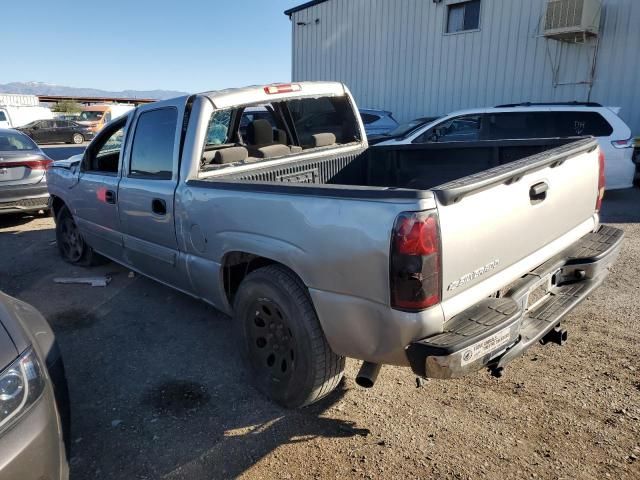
x=628, y=143
x=282, y=88
x=32, y=164
x=415, y=261
x=601, y=180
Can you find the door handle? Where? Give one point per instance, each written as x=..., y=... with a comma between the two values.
x=110, y=197
x=159, y=206
x=538, y=192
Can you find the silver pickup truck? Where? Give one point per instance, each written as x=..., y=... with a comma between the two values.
x=267, y=203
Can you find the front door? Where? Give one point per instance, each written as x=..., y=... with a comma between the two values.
x=146, y=192
x=94, y=199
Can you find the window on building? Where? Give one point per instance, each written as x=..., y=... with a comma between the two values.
x=153, y=143
x=463, y=16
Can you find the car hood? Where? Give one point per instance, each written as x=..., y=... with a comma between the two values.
x=8, y=349
x=21, y=326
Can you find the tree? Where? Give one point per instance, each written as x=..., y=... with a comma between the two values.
x=67, y=106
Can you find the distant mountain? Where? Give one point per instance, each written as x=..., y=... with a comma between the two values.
x=41, y=88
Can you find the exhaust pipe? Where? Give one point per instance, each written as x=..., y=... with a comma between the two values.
x=368, y=374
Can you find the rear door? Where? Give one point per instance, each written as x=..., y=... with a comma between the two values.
x=146, y=192
x=518, y=222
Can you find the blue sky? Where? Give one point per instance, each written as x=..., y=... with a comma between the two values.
x=188, y=45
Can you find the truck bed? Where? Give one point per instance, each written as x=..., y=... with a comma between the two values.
x=414, y=167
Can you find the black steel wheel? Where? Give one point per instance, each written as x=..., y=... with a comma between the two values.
x=282, y=343
x=71, y=245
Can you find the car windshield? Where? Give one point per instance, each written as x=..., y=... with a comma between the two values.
x=407, y=127
x=13, y=141
x=90, y=116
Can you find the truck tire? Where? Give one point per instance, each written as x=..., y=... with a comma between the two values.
x=281, y=341
x=71, y=245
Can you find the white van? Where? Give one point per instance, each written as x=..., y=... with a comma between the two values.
x=17, y=110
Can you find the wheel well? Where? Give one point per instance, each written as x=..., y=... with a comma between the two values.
x=56, y=204
x=236, y=266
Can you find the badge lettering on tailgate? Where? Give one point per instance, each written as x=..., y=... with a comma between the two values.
x=467, y=277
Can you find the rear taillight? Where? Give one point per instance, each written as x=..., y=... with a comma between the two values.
x=628, y=143
x=415, y=261
x=32, y=164
x=601, y=180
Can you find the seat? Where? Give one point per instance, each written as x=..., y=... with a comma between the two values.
x=263, y=142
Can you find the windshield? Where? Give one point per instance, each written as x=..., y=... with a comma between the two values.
x=13, y=141
x=407, y=127
x=90, y=116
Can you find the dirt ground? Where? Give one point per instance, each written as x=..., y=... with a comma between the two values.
x=157, y=391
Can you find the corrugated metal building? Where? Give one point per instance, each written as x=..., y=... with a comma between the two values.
x=429, y=57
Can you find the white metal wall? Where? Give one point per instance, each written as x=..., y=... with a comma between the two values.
x=394, y=55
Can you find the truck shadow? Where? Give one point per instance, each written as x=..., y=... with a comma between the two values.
x=157, y=390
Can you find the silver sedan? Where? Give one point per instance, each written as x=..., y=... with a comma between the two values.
x=23, y=184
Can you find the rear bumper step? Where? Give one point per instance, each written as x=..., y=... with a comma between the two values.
x=498, y=330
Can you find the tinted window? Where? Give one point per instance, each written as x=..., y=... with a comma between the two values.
x=463, y=16
x=153, y=142
x=516, y=125
x=3, y=117
x=323, y=115
x=575, y=124
x=458, y=129
x=368, y=118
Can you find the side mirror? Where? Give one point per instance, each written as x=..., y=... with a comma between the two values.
x=35, y=127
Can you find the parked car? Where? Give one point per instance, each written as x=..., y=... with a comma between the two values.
x=34, y=401
x=23, y=184
x=529, y=120
x=377, y=122
x=52, y=131
x=401, y=131
x=95, y=117
x=17, y=110
x=322, y=248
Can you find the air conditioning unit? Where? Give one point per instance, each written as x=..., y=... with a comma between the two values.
x=572, y=20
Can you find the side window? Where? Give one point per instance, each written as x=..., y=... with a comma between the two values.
x=218, y=131
x=3, y=117
x=458, y=129
x=509, y=126
x=104, y=153
x=368, y=118
x=576, y=124
x=153, y=144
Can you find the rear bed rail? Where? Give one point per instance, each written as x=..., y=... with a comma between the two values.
x=454, y=191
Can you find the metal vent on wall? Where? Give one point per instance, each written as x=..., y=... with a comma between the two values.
x=572, y=20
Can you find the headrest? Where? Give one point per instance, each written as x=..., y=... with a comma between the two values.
x=271, y=151
x=323, y=139
x=230, y=155
x=260, y=132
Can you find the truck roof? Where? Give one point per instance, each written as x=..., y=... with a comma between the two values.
x=256, y=94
